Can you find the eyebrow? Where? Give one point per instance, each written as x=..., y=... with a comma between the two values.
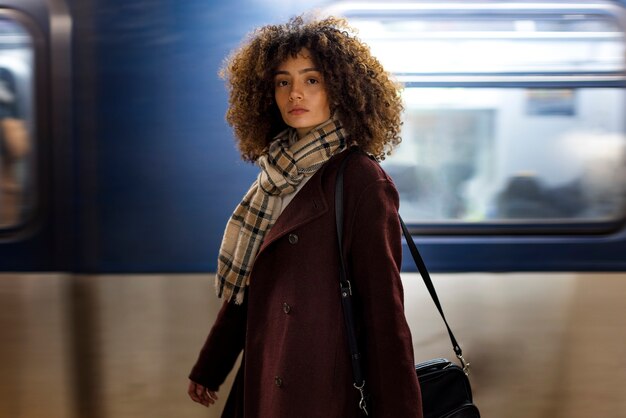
x=304, y=70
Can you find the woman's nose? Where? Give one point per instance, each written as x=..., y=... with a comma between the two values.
x=295, y=94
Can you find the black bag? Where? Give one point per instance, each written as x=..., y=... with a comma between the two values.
x=445, y=387
x=446, y=390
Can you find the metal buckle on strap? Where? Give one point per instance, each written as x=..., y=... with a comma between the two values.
x=362, y=402
x=344, y=288
x=465, y=364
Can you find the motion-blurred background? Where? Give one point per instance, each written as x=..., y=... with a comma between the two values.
x=512, y=176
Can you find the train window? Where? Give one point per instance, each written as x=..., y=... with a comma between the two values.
x=516, y=153
x=16, y=122
x=515, y=113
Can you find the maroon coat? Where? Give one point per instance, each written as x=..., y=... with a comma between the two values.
x=296, y=362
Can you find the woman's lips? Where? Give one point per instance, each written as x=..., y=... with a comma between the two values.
x=297, y=111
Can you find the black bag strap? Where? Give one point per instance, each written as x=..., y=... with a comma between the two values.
x=346, y=290
x=419, y=262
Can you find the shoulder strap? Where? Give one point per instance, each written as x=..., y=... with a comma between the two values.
x=346, y=291
x=419, y=262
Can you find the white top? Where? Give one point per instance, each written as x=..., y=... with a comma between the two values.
x=289, y=197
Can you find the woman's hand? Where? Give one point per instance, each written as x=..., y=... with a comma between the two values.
x=200, y=394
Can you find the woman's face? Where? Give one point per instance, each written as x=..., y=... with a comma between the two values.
x=300, y=93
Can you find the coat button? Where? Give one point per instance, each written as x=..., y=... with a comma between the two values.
x=286, y=308
x=293, y=239
x=278, y=382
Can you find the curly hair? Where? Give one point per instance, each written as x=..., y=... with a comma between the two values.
x=367, y=101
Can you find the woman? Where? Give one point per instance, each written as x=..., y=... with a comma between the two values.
x=300, y=94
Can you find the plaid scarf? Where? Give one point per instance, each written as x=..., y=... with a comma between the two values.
x=282, y=168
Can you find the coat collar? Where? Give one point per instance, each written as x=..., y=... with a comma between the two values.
x=309, y=204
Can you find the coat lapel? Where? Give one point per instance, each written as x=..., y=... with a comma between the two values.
x=309, y=204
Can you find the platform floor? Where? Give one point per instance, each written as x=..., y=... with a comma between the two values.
x=541, y=345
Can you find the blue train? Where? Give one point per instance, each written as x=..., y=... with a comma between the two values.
x=513, y=153
x=117, y=169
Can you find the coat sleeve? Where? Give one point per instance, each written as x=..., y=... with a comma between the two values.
x=222, y=346
x=375, y=260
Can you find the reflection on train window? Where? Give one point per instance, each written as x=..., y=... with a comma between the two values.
x=16, y=123
x=512, y=115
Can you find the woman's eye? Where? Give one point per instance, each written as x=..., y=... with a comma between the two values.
x=312, y=81
x=281, y=83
